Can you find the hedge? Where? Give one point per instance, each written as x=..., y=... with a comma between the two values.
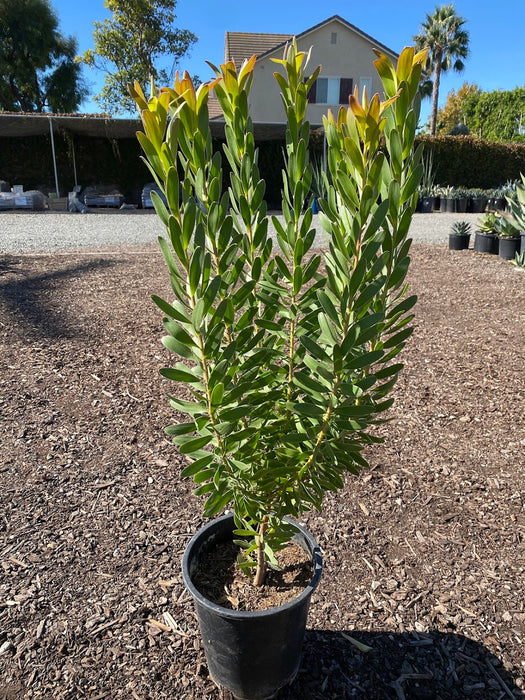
x=460, y=161
x=469, y=162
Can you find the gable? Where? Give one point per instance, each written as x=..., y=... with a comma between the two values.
x=240, y=46
x=344, y=52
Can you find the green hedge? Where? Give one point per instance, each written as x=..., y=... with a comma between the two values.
x=466, y=161
x=460, y=161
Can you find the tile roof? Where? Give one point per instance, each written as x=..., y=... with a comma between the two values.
x=242, y=45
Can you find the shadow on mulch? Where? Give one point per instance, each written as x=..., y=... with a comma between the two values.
x=26, y=298
x=9, y=263
x=407, y=666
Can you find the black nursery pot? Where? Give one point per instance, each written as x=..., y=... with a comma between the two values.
x=252, y=654
x=427, y=205
x=458, y=242
x=508, y=247
x=485, y=243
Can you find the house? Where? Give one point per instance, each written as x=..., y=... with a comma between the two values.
x=344, y=52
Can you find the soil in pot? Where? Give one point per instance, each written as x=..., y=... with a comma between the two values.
x=220, y=580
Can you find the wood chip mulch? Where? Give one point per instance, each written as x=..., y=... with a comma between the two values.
x=422, y=594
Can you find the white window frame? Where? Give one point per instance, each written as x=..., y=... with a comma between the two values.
x=333, y=88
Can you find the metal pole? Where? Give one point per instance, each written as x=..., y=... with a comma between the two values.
x=54, y=157
x=74, y=159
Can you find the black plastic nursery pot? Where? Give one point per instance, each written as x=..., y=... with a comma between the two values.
x=522, y=245
x=508, y=247
x=427, y=205
x=458, y=242
x=477, y=205
x=251, y=654
x=485, y=243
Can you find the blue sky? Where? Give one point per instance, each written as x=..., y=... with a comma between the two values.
x=497, y=40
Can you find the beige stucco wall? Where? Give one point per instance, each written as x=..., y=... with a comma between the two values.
x=350, y=57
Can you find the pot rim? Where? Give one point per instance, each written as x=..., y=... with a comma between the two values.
x=227, y=612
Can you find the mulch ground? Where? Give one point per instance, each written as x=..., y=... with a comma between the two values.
x=422, y=594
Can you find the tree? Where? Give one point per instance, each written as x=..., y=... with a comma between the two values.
x=37, y=62
x=452, y=115
x=498, y=115
x=128, y=45
x=448, y=44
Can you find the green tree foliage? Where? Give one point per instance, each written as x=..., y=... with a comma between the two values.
x=452, y=115
x=128, y=45
x=497, y=115
x=448, y=45
x=37, y=63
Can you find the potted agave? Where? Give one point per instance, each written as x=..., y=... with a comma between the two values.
x=288, y=356
x=516, y=204
x=459, y=236
x=508, y=237
x=486, y=239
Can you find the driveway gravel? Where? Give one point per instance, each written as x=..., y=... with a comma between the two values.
x=51, y=231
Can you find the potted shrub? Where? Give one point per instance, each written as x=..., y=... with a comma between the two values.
x=516, y=204
x=462, y=198
x=426, y=190
x=448, y=201
x=485, y=239
x=508, y=237
x=287, y=357
x=319, y=186
x=426, y=200
x=459, y=236
x=478, y=201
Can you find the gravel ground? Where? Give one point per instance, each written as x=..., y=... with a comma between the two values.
x=51, y=231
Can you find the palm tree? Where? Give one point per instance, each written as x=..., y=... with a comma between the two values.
x=448, y=43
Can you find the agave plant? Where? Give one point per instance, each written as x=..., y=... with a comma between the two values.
x=488, y=223
x=506, y=227
x=516, y=202
x=289, y=355
x=519, y=261
x=460, y=228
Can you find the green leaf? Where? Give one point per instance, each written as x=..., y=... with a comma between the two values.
x=217, y=394
x=180, y=428
x=179, y=348
x=178, y=375
x=315, y=350
x=170, y=310
x=187, y=445
x=197, y=465
x=308, y=409
x=188, y=407
x=216, y=503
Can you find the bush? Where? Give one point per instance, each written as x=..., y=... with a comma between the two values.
x=466, y=161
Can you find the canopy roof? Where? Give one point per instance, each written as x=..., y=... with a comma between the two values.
x=19, y=124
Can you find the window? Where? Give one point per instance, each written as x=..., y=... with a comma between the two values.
x=365, y=82
x=330, y=91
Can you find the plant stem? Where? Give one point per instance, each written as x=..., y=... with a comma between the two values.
x=261, y=563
